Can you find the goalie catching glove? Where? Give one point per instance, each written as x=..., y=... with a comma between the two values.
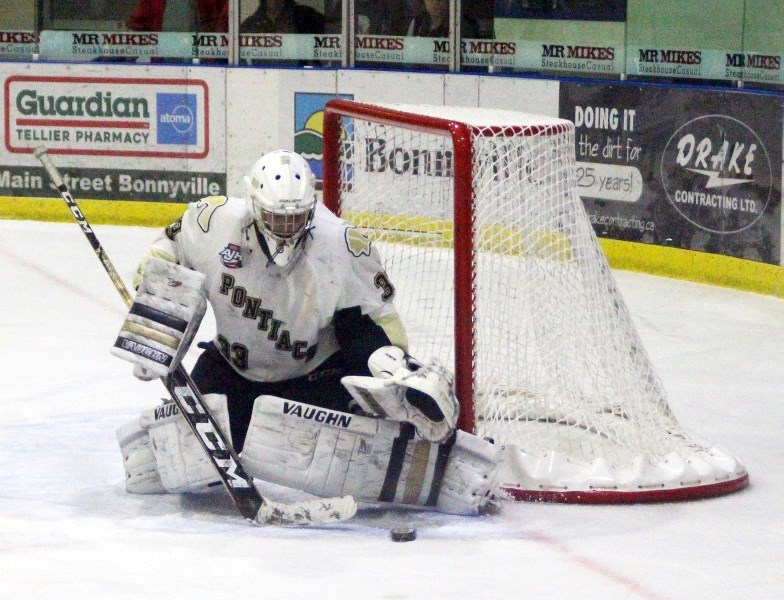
x=403, y=389
x=169, y=306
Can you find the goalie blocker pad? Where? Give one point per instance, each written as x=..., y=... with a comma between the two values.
x=162, y=321
x=330, y=453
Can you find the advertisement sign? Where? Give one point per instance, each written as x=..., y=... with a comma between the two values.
x=680, y=63
x=693, y=63
x=509, y=54
x=574, y=58
x=18, y=45
x=309, y=128
x=397, y=49
x=113, y=184
x=125, y=138
x=684, y=168
x=107, y=116
x=152, y=46
x=263, y=47
x=141, y=46
x=762, y=67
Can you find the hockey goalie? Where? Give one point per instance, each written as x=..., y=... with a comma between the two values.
x=308, y=374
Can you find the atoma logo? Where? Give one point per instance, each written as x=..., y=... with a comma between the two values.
x=177, y=118
x=717, y=174
x=181, y=118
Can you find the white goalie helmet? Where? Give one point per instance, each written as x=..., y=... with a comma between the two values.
x=280, y=190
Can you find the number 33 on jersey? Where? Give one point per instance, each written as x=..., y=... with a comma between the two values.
x=277, y=322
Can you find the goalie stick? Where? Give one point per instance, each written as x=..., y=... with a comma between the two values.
x=188, y=399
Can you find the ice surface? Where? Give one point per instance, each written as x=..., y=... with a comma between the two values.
x=69, y=531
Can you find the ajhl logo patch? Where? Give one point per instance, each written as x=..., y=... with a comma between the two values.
x=717, y=174
x=177, y=118
x=231, y=256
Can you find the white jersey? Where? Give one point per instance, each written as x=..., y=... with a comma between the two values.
x=275, y=323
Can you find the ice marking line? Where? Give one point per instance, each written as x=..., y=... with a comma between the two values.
x=113, y=307
x=618, y=578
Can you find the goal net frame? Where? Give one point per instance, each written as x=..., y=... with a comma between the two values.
x=709, y=472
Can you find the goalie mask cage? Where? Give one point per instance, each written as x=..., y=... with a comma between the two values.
x=499, y=274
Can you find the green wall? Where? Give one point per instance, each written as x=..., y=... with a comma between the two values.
x=764, y=29
x=750, y=25
x=708, y=24
x=567, y=32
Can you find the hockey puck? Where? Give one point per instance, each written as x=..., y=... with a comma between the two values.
x=403, y=534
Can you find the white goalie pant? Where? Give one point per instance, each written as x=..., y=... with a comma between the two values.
x=330, y=453
x=161, y=454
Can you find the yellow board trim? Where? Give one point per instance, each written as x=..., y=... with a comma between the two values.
x=438, y=233
x=700, y=267
x=97, y=212
x=690, y=265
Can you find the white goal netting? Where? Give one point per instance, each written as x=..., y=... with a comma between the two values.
x=550, y=361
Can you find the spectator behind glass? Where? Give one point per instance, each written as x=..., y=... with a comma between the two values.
x=283, y=16
x=371, y=17
x=432, y=20
x=180, y=15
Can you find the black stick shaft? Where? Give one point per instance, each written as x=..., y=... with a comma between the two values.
x=179, y=384
x=65, y=193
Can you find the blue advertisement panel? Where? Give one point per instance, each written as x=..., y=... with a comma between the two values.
x=699, y=170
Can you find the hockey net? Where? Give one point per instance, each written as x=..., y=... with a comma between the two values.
x=499, y=274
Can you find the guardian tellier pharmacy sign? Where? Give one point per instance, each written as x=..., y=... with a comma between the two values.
x=107, y=116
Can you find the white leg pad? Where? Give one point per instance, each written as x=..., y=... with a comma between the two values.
x=141, y=469
x=181, y=464
x=471, y=479
x=329, y=453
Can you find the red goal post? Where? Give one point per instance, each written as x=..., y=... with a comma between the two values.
x=464, y=291
x=483, y=232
